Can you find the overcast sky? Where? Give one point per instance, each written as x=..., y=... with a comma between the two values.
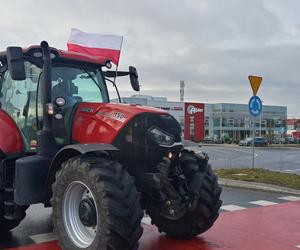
x=211, y=44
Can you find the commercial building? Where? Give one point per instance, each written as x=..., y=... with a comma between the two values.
x=225, y=121
x=230, y=121
x=293, y=124
x=293, y=129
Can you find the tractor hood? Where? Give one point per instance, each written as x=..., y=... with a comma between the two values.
x=101, y=122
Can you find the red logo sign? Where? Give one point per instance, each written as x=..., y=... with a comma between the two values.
x=191, y=109
x=194, y=121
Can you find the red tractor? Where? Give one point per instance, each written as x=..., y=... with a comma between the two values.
x=99, y=165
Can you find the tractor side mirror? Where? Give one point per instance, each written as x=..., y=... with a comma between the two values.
x=16, y=63
x=134, y=78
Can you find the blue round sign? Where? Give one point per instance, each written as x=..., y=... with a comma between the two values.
x=255, y=105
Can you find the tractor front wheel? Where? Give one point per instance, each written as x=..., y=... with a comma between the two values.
x=96, y=205
x=199, y=219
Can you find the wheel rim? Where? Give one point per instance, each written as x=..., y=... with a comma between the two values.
x=79, y=231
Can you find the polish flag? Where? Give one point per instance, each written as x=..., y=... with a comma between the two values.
x=108, y=46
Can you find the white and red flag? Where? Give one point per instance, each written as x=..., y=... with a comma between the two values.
x=94, y=44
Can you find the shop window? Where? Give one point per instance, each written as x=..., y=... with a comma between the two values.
x=216, y=122
x=206, y=121
x=230, y=123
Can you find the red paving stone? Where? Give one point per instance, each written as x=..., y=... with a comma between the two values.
x=275, y=227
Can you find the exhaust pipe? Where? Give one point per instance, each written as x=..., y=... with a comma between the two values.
x=46, y=142
x=46, y=85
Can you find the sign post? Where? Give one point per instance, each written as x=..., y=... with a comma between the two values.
x=253, y=136
x=255, y=106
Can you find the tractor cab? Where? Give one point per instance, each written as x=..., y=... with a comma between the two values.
x=75, y=78
x=71, y=84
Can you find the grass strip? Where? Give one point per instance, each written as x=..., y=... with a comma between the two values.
x=261, y=176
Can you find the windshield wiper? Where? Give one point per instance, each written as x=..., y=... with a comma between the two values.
x=113, y=83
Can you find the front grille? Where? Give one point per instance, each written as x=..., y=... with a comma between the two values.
x=138, y=151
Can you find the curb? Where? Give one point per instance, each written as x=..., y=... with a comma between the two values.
x=257, y=186
x=270, y=147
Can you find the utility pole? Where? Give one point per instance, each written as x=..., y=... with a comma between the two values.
x=182, y=85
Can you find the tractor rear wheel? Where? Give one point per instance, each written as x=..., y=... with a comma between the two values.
x=199, y=219
x=7, y=225
x=96, y=205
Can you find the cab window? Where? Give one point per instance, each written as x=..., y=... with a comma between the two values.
x=19, y=101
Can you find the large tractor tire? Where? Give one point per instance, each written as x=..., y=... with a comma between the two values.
x=199, y=219
x=7, y=225
x=96, y=205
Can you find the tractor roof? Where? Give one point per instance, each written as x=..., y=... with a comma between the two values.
x=35, y=51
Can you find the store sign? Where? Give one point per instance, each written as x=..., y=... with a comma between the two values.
x=194, y=121
x=191, y=109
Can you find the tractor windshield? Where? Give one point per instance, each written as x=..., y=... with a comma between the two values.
x=78, y=84
x=73, y=82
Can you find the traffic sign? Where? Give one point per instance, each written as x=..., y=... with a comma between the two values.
x=255, y=82
x=255, y=105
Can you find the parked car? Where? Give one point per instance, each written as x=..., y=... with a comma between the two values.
x=258, y=141
x=280, y=140
x=209, y=139
x=244, y=142
x=290, y=139
x=218, y=141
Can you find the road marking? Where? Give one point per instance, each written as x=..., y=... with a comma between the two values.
x=292, y=170
x=146, y=220
x=232, y=208
x=290, y=198
x=41, y=238
x=263, y=203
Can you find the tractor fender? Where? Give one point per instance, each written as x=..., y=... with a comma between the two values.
x=68, y=152
x=11, y=140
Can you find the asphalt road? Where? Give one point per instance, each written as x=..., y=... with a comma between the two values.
x=277, y=159
x=37, y=226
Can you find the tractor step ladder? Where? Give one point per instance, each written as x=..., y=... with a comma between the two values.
x=10, y=211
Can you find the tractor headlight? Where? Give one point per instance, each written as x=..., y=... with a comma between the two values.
x=161, y=137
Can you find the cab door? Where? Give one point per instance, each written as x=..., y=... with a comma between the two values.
x=19, y=100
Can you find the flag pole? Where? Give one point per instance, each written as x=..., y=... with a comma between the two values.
x=117, y=66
